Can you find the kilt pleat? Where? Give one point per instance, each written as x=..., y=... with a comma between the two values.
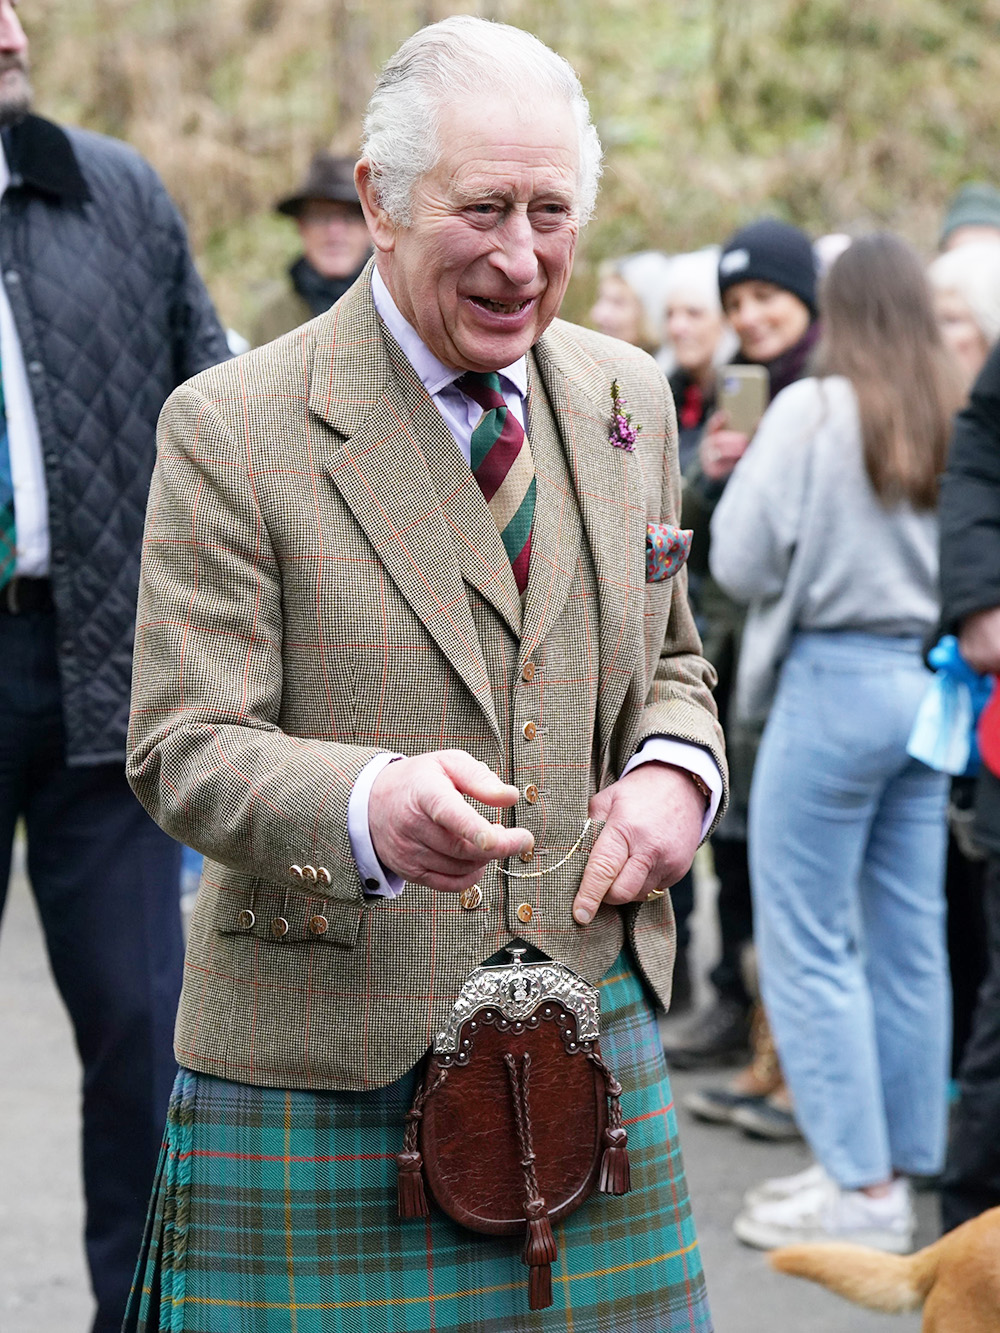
x=275, y=1212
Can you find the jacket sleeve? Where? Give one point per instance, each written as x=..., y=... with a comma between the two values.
x=970, y=504
x=755, y=524
x=207, y=754
x=197, y=336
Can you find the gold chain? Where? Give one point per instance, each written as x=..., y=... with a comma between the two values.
x=537, y=874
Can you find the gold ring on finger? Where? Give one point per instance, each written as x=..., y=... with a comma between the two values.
x=655, y=893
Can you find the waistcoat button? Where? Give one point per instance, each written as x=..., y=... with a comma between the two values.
x=524, y=913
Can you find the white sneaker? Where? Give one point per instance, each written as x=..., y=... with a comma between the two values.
x=783, y=1187
x=825, y=1212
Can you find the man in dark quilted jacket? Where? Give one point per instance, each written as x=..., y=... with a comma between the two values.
x=101, y=315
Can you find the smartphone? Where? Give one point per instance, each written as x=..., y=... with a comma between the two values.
x=743, y=395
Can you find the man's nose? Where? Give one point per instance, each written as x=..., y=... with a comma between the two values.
x=516, y=256
x=12, y=37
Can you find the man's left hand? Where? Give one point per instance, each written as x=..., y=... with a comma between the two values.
x=654, y=817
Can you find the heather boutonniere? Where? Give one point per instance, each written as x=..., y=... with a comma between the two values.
x=623, y=434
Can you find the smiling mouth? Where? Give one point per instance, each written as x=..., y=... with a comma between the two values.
x=501, y=307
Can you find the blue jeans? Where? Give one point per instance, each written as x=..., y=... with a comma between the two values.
x=847, y=846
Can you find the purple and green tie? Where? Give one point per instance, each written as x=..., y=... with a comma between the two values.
x=8, y=534
x=503, y=466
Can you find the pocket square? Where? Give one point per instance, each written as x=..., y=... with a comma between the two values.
x=667, y=548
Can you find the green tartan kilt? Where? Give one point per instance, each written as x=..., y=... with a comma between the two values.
x=275, y=1212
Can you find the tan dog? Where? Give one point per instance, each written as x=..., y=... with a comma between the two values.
x=956, y=1280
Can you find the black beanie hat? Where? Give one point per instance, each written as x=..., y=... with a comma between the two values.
x=771, y=251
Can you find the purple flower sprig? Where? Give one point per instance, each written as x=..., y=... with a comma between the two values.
x=623, y=434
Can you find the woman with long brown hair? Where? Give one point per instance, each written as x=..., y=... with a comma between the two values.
x=828, y=530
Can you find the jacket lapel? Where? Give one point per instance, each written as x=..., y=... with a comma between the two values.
x=482, y=556
x=382, y=473
x=557, y=530
x=608, y=488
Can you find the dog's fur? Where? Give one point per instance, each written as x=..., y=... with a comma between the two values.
x=956, y=1280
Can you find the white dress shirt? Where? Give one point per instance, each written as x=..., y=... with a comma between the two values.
x=31, y=501
x=462, y=415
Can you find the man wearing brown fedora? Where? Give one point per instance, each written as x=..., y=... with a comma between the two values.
x=335, y=248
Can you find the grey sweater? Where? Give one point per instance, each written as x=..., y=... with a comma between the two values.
x=801, y=536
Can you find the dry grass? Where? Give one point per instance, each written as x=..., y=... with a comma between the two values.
x=832, y=113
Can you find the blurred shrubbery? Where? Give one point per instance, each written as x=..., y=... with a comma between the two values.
x=832, y=113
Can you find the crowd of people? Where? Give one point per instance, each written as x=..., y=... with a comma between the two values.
x=300, y=647
x=847, y=870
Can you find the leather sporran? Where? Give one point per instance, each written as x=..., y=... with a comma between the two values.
x=516, y=1118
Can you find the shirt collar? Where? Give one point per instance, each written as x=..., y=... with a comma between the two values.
x=434, y=374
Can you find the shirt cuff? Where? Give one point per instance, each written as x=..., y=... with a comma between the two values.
x=682, y=754
x=376, y=881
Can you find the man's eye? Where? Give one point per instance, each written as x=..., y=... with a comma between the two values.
x=485, y=209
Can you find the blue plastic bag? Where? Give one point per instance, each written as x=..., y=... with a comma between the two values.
x=944, y=731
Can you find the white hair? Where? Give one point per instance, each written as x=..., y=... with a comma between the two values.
x=696, y=275
x=459, y=58
x=973, y=272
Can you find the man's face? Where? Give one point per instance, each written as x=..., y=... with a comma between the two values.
x=481, y=271
x=335, y=238
x=15, y=90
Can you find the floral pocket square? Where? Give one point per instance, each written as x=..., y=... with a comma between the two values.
x=667, y=548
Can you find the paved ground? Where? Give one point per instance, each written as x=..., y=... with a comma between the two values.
x=42, y=1280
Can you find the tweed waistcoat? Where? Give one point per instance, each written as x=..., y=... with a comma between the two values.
x=323, y=580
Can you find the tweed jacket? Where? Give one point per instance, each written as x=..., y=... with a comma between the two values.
x=323, y=581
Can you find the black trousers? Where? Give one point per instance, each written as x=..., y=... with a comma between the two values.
x=735, y=908
x=971, y=1181
x=106, y=881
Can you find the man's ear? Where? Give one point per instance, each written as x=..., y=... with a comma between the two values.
x=380, y=225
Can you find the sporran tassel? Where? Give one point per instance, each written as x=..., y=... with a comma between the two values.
x=540, y=1287
x=539, y=1243
x=411, y=1196
x=616, y=1177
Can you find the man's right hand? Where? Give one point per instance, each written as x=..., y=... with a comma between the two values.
x=424, y=830
x=979, y=641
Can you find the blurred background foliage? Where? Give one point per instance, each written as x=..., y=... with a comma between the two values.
x=835, y=114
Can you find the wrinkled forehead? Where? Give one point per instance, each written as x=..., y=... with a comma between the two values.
x=501, y=147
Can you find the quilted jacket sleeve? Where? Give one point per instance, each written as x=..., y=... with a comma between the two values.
x=199, y=340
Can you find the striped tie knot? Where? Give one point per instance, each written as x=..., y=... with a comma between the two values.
x=502, y=464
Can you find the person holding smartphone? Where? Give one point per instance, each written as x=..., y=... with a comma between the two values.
x=828, y=532
x=767, y=282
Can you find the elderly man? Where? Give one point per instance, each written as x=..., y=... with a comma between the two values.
x=335, y=247
x=397, y=638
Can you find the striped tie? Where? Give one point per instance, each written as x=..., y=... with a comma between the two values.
x=8, y=535
x=503, y=466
